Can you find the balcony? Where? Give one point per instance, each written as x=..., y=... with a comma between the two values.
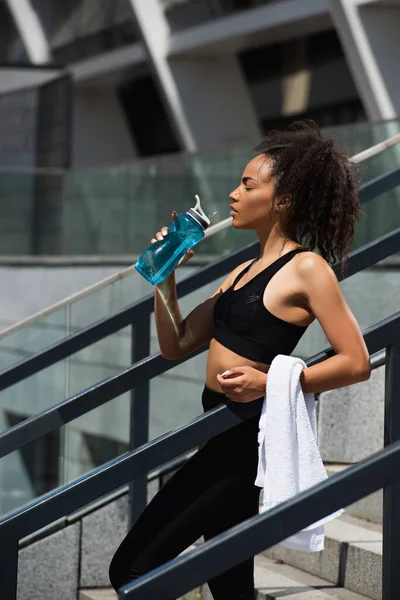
x=84, y=28
x=187, y=13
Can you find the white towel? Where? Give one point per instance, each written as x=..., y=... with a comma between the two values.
x=289, y=461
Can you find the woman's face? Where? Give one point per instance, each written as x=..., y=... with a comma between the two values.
x=252, y=200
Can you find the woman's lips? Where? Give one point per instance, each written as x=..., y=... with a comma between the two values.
x=233, y=210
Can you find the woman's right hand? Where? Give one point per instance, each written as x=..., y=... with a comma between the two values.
x=160, y=235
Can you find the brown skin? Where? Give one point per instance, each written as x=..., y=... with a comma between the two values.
x=303, y=290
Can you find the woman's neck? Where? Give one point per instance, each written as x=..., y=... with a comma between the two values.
x=274, y=245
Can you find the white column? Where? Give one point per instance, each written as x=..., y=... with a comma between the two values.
x=361, y=54
x=155, y=32
x=207, y=96
x=30, y=30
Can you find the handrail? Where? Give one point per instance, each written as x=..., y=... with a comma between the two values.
x=90, y=289
x=376, y=149
x=131, y=465
x=142, y=371
x=262, y=531
x=374, y=252
x=118, y=472
x=213, y=229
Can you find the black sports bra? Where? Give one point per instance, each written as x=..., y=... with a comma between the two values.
x=245, y=326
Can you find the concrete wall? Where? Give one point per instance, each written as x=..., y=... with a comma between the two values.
x=216, y=100
x=77, y=556
x=12, y=79
x=74, y=557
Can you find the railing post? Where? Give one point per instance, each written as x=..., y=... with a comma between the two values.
x=391, y=493
x=9, y=566
x=139, y=415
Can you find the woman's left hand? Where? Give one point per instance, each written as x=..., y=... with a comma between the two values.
x=243, y=384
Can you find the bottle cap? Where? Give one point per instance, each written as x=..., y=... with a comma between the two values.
x=199, y=215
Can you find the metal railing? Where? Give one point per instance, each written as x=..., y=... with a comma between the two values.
x=135, y=464
x=263, y=531
x=143, y=456
x=381, y=470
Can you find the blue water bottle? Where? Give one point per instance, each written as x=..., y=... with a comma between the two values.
x=160, y=259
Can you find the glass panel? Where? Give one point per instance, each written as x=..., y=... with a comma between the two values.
x=117, y=210
x=357, y=138
x=79, y=446
x=49, y=329
x=36, y=393
x=32, y=338
x=30, y=472
x=381, y=216
x=36, y=468
x=102, y=434
x=16, y=213
x=105, y=301
x=95, y=438
x=175, y=396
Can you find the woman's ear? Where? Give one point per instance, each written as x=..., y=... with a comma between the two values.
x=283, y=203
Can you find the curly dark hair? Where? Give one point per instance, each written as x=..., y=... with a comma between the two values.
x=322, y=184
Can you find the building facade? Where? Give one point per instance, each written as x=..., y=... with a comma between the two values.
x=94, y=84
x=162, y=76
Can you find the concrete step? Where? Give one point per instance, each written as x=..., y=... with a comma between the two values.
x=273, y=579
x=352, y=557
x=369, y=508
x=98, y=594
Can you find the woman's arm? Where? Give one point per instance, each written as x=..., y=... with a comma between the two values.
x=351, y=364
x=178, y=336
x=324, y=296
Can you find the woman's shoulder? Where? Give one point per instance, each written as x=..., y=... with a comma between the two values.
x=311, y=266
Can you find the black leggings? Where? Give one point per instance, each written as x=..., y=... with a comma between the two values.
x=212, y=492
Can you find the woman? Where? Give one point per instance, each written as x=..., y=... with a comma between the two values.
x=297, y=194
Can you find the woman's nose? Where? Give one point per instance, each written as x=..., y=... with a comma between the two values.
x=234, y=195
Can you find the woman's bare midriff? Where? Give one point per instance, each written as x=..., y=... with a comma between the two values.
x=221, y=359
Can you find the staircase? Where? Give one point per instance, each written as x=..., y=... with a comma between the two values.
x=348, y=569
